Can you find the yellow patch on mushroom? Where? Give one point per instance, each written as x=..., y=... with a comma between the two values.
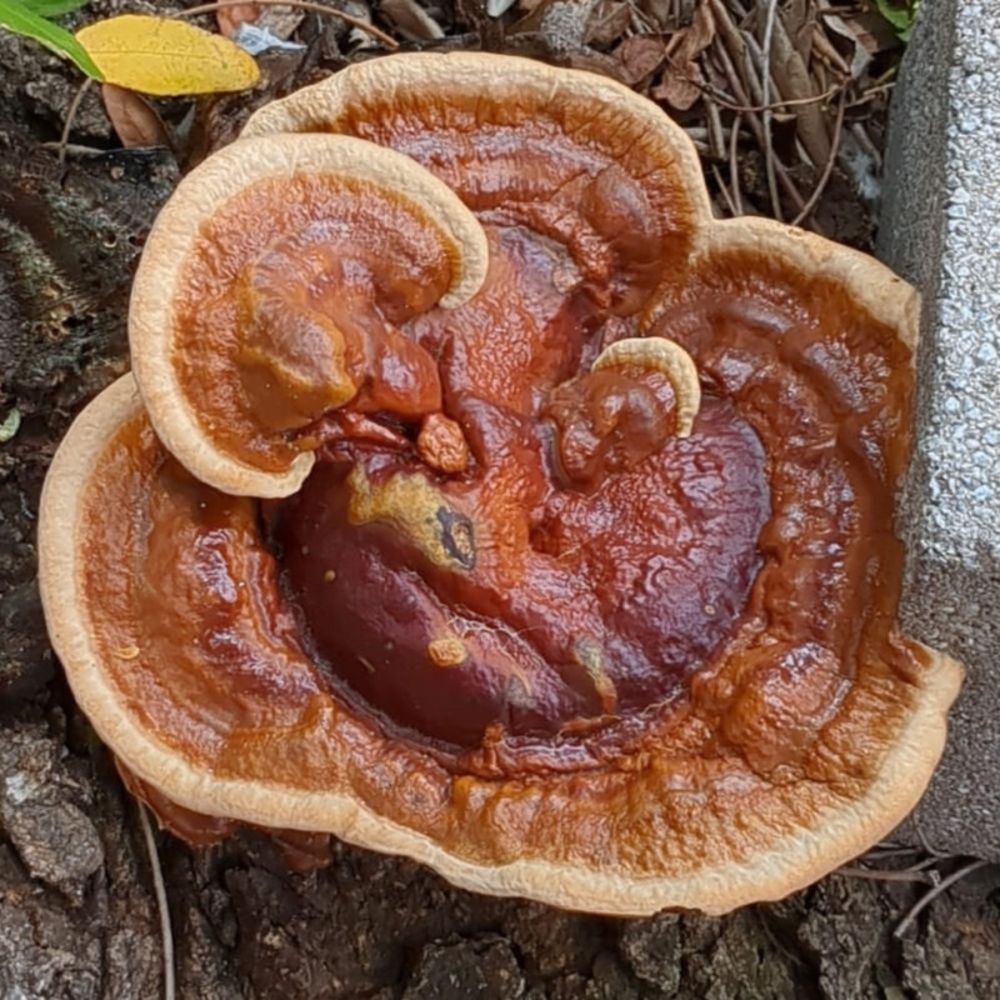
x=590, y=656
x=418, y=510
x=447, y=652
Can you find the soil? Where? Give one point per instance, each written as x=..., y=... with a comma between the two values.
x=78, y=914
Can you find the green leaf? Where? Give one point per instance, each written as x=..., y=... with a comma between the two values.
x=10, y=425
x=16, y=17
x=901, y=18
x=53, y=8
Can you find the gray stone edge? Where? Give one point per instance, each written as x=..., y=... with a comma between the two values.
x=940, y=228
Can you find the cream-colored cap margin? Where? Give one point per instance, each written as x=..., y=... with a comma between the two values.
x=839, y=832
x=176, y=232
x=510, y=79
x=879, y=290
x=886, y=296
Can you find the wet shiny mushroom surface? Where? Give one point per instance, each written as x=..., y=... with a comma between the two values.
x=565, y=559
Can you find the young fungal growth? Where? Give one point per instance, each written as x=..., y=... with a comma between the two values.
x=657, y=354
x=477, y=497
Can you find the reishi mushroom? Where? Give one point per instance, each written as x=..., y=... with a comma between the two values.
x=477, y=497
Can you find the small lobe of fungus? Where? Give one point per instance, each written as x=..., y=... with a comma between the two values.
x=442, y=444
x=607, y=423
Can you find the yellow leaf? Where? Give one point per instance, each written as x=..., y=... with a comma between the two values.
x=155, y=55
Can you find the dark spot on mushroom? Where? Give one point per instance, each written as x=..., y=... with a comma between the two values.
x=457, y=537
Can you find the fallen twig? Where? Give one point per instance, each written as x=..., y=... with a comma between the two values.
x=928, y=897
x=828, y=168
x=886, y=874
x=925, y=842
x=872, y=92
x=724, y=189
x=716, y=139
x=765, y=79
x=778, y=105
x=160, y=891
x=734, y=168
x=826, y=53
x=860, y=133
x=753, y=62
x=755, y=125
x=925, y=863
x=71, y=111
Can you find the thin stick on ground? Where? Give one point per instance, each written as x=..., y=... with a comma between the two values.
x=734, y=167
x=881, y=853
x=71, y=111
x=753, y=120
x=724, y=190
x=828, y=168
x=928, y=897
x=925, y=842
x=716, y=140
x=885, y=874
x=160, y=890
x=315, y=8
x=925, y=863
x=772, y=184
x=894, y=845
x=872, y=92
x=792, y=102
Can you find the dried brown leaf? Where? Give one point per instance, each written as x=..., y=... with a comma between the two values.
x=699, y=36
x=640, y=56
x=679, y=86
x=856, y=56
x=800, y=23
x=795, y=84
x=878, y=34
x=677, y=91
x=661, y=12
x=411, y=20
x=282, y=22
x=133, y=117
x=230, y=18
x=608, y=22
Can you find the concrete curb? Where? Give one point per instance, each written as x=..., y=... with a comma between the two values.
x=940, y=228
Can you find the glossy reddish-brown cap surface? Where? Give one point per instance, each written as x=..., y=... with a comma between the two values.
x=479, y=498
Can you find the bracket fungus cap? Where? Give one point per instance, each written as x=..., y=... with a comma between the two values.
x=178, y=243
x=477, y=497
